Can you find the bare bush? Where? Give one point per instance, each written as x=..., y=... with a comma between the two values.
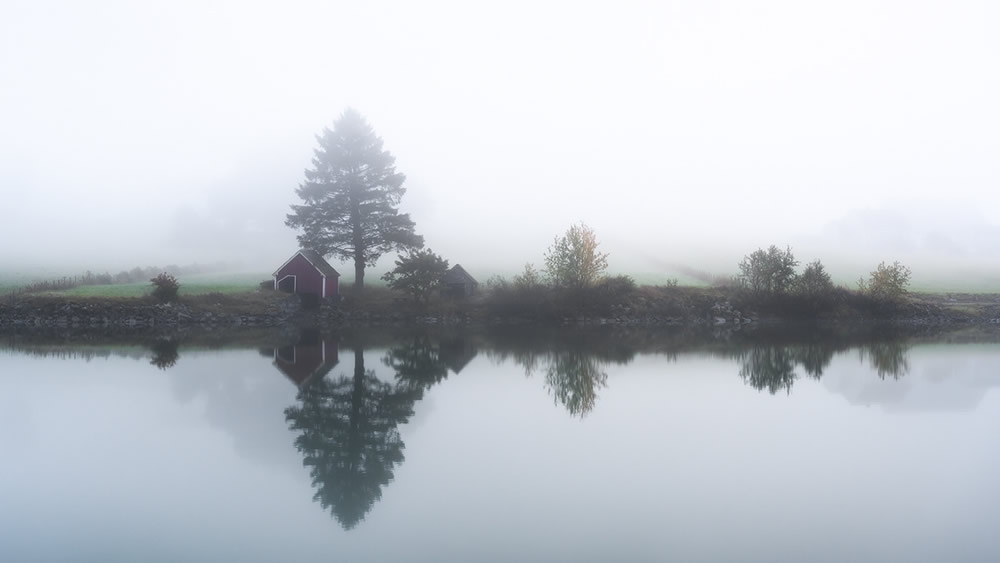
x=768, y=272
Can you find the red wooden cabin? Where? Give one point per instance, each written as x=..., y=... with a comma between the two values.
x=307, y=272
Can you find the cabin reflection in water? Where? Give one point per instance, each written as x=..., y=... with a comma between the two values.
x=313, y=356
x=456, y=352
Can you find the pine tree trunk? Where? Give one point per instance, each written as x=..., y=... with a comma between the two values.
x=359, y=274
x=359, y=248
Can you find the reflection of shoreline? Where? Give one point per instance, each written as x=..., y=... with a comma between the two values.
x=348, y=427
x=605, y=341
x=947, y=380
x=773, y=368
x=350, y=434
x=573, y=360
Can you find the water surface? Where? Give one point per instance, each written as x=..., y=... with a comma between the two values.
x=501, y=445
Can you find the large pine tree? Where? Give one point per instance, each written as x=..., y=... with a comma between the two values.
x=351, y=197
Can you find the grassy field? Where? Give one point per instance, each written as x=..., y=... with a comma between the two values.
x=200, y=284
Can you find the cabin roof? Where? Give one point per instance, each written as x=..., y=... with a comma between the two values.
x=319, y=263
x=316, y=260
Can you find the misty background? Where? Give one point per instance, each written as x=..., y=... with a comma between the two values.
x=687, y=133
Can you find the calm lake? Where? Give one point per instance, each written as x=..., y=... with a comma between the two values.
x=515, y=444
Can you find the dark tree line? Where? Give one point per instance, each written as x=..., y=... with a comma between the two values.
x=768, y=279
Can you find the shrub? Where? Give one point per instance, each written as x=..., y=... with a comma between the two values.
x=497, y=283
x=886, y=282
x=814, y=281
x=526, y=296
x=165, y=287
x=767, y=272
x=617, y=286
x=418, y=273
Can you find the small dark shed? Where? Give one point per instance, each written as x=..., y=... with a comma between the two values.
x=307, y=272
x=457, y=282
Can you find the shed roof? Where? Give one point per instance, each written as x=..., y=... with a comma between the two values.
x=317, y=261
x=457, y=274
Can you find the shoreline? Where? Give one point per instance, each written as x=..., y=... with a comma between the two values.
x=281, y=311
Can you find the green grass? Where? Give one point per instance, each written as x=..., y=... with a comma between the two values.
x=200, y=284
x=974, y=285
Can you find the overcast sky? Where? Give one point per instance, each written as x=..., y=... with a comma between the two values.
x=686, y=132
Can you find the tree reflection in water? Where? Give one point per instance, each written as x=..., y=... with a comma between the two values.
x=349, y=437
x=771, y=367
x=813, y=358
x=349, y=426
x=574, y=378
x=165, y=353
x=418, y=363
x=573, y=362
x=768, y=367
x=888, y=358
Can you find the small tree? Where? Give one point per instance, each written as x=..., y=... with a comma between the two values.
x=887, y=282
x=528, y=279
x=418, y=273
x=814, y=281
x=573, y=260
x=768, y=272
x=165, y=287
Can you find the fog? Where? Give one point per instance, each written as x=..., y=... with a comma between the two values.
x=687, y=133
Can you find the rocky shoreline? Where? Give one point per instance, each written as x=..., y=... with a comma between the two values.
x=284, y=311
x=83, y=315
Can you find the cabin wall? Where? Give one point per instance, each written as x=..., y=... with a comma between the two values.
x=332, y=286
x=307, y=279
